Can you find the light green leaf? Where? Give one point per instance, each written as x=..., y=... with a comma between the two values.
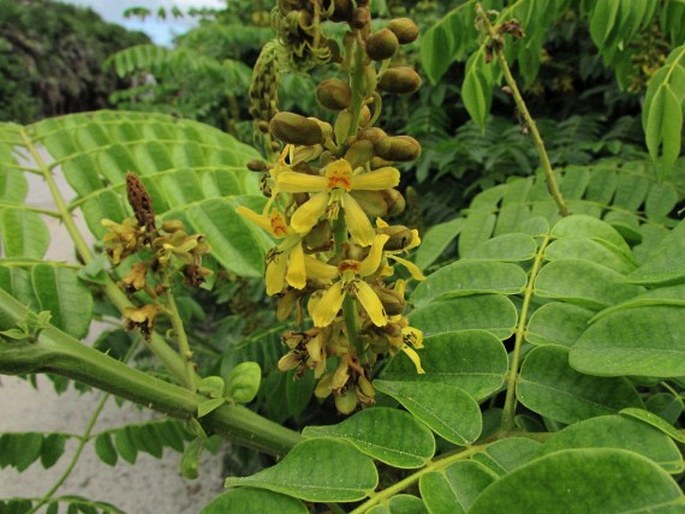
x=243, y=382
x=212, y=386
x=254, y=501
x=209, y=405
x=647, y=341
x=514, y=247
x=435, y=240
x=474, y=361
x=550, y=387
x=466, y=277
x=664, y=125
x=583, y=283
x=576, y=248
x=389, y=435
x=476, y=92
x=665, y=264
x=582, y=226
x=622, y=433
x=453, y=490
x=657, y=422
x=557, y=323
x=190, y=461
x=585, y=480
x=318, y=470
x=446, y=409
x=495, y=313
x=23, y=234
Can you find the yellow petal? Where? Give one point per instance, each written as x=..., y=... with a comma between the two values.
x=409, y=352
x=371, y=303
x=372, y=261
x=380, y=223
x=377, y=180
x=411, y=267
x=326, y=309
x=275, y=274
x=357, y=221
x=307, y=215
x=260, y=220
x=319, y=270
x=294, y=182
x=413, y=336
x=296, y=275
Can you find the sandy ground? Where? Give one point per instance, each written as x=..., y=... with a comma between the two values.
x=150, y=487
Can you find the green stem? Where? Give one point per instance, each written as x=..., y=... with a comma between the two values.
x=37, y=210
x=350, y=315
x=509, y=409
x=436, y=465
x=357, y=86
x=181, y=338
x=523, y=110
x=172, y=361
x=57, y=352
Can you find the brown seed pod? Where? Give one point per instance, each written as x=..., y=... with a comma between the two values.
x=401, y=80
x=372, y=202
x=405, y=29
x=361, y=18
x=294, y=129
x=334, y=94
x=398, y=148
x=382, y=45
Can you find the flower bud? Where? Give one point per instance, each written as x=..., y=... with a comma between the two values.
x=401, y=80
x=359, y=153
x=394, y=200
x=294, y=129
x=262, y=125
x=256, y=165
x=372, y=202
x=382, y=45
x=398, y=148
x=372, y=134
x=173, y=226
x=346, y=403
x=378, y=162
x=334, y=94
x=393, y=303
x=342, y=10
x=343, y=124
x=400, y=237
x=361, y=17
x=405, y=29
x=364, y=116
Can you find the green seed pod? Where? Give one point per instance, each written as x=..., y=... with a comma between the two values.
x=401, y=80
x=382, y=45
x=346, y=402
x=394, y=200
x=334, y=94
x=359, y=153
x=294, y=129
x=370, y=81
x=405, y=29
x=398, y=148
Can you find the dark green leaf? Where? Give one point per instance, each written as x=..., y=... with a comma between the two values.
x=254, y=501
x=453, y=490
x=53, y=449
x=400, y=504
x=657, y=422
x=557, y=323
x=104, y=449
x=505, y=455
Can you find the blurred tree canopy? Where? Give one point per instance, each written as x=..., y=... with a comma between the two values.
x=51, y=58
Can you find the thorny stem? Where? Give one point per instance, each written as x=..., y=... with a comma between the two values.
x=84, y=439
x=523, y=111
x=509, y=409
x=157, y=344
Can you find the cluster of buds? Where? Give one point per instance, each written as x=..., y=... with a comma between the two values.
x=329, y=191
x=160, y=253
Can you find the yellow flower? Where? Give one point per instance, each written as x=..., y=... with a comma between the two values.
x=405, y=338
x=332, y=190
x=351, y=273
x=142, y=318
x=392, y=254
x=122, y=240
x=285, y=262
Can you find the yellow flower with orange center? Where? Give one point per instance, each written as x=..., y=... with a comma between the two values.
x=332, y=188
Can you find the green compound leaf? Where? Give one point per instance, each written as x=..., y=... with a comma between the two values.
x=243, y=382
x=666, y=263
x=400, y=504
x=389, y=435
x=254, y=501
x=473, y=360
x=23, y=234
x=463, y=278
x=656, y=422
x=506, y=455
x=622, y=433
x=515, y=247
x=583, y=283
x=495, y=313
x=105, y=450
x=453, y=490
x=647, y=341
x=557, y=323
x=318, y=470
x=550, y=387
x=582, y=481
x=446, y=409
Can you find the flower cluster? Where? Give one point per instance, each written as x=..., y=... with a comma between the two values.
x=330, y=190
x=161, y=253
